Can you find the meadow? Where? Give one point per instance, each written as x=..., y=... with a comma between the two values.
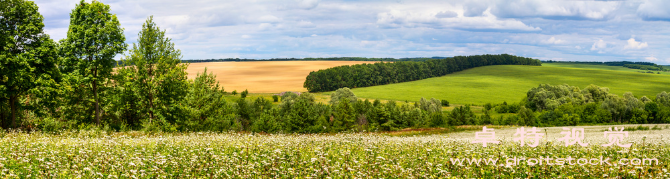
x=263, y=77
x=600, y=67
x=509, y=83
x=98, y=154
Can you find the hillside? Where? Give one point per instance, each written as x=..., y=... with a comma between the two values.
x=511, y=82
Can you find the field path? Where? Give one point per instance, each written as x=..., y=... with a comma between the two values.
x=264, y=77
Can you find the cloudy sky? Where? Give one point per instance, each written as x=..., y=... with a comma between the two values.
x=549, y=30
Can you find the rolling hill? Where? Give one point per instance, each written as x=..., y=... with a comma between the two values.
x=510, y=83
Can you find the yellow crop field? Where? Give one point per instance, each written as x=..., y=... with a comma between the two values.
x=264, y=77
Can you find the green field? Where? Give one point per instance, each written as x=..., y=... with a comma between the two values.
x=600, y=67
x=510, y=83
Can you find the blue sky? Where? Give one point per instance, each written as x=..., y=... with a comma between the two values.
x=547, y=30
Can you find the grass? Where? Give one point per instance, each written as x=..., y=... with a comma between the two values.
x=510, y=83
x=600, y=67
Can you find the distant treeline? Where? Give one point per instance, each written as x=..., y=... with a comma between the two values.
x=612, y=63
x=645, y=67
x=120, y=63
x=363, y=75
x=627, y=64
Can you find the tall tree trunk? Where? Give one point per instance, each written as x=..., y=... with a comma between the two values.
x=151, y=94
x=95, y=93
x=12, y=104
x=97, y=103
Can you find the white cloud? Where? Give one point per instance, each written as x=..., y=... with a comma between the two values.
x=551, y=9
x=475, y=8
x=305, y=24
x=553, y=40
x=308, y=4
x=599, y=45
x=632, y=44
x=289, y=28
x=265, y=26
x=446, y=14
x=488, y=21
x=268, y=19
x=652, y=58
x=654, y=10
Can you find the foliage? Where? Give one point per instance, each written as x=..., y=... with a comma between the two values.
x=94, y=37
x=204, y=107
x=342, y=93
x=154, y=77
x=445, y=103
x=364, y=75
x=244, y=94
x=28, y=58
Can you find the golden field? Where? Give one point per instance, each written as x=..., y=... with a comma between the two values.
x=264, y=77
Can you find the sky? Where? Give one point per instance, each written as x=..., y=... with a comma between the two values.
x=547, y=30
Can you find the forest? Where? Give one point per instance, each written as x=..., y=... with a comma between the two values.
x=364, y=75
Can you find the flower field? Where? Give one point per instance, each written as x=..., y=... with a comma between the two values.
x=94, y=154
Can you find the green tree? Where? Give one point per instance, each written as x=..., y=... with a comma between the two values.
x=526, y=117
x=28, y=56
x=244, y=94
x=94, y=37
x=156, y=72
x=345, y=116
x=205, y=107
x=342, y=93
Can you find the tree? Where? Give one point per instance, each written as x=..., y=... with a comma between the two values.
x=205, y=106
x=345, y=116
x=244, y=94
x=94, y=37
x=342, y=93
x=28, y=56
x=156, y=72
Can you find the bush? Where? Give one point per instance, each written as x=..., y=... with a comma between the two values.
x=488, y=106
x=244, y=94
x=234, y=92
x=501, y=108
x=445, y=103
x=275, y=98
x=342, y=93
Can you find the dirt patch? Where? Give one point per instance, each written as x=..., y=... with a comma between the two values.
x=264, y=77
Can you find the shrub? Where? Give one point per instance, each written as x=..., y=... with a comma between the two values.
x=445, y=103
x=244, y=93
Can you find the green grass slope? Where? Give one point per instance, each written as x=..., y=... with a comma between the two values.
x=510, y=83
x=600, y=67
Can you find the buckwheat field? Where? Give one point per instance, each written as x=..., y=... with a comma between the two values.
x=358, y=155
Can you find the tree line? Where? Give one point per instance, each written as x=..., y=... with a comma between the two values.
x=564, y=105
x=363, y=75
x=309, y=59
